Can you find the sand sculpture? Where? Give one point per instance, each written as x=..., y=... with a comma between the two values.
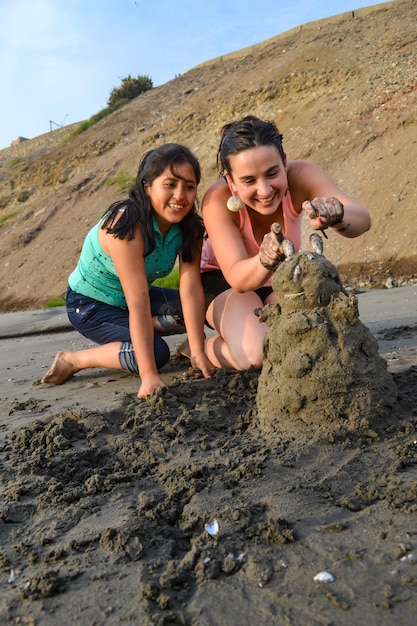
x=322, y=370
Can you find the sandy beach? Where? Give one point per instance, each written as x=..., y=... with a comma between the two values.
x=109, y=503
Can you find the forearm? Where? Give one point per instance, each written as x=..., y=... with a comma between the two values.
x=247, y=275
x=193, y=308
x=142, y=335
x=356, y=221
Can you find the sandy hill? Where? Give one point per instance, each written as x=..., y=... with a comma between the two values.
x=343, y=92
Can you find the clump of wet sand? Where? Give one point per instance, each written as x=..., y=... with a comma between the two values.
x=321, y=365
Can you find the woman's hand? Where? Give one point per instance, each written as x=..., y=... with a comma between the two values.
x=324, y=212
x=149, y=384
x=200, y=363
x=271, y=253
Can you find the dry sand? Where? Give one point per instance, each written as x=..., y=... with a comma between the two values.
x=105, y=498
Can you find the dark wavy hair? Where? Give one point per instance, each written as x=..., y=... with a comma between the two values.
x=138, y=209
x=244, y=134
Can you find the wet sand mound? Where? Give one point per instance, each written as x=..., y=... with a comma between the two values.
x=321, y=366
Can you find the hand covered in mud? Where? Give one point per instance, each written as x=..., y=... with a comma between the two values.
x=271, y=253
x=323, y=212
x=201, y=366
x=149, y=384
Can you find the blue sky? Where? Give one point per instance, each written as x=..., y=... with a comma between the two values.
x=60, y=59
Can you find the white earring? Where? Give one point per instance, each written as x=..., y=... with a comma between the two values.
x=234, y=203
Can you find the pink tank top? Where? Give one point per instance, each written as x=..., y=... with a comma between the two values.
x=292, y=231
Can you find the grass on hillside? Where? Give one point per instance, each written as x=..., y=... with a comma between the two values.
x=122, y=179
x=7, y=216
x=14, y=161
x=96, y=118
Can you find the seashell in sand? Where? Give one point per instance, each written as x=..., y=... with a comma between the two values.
x=212, y=528
x=324, y=577
x=316, y=243
x=288, y=248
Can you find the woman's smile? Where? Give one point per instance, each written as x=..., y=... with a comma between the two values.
x=268, y=201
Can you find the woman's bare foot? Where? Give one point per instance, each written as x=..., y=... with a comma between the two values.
x=60, y=370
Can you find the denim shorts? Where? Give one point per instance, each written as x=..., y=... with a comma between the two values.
x=103, y=323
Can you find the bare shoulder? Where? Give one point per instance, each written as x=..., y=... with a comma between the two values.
x=214, y=204
x=297, y=169
x=114, y=245
x=217, y=192
x=217, y=218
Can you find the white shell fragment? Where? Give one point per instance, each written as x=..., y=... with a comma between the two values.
x=323, y=577
x=298, y=274
x=316, y=243
x=288, y=248
x=14, y=574
x=212, y=528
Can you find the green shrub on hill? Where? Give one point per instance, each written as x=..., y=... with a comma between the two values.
x=130, y=88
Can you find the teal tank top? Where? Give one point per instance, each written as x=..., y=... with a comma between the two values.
x=95, y=275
